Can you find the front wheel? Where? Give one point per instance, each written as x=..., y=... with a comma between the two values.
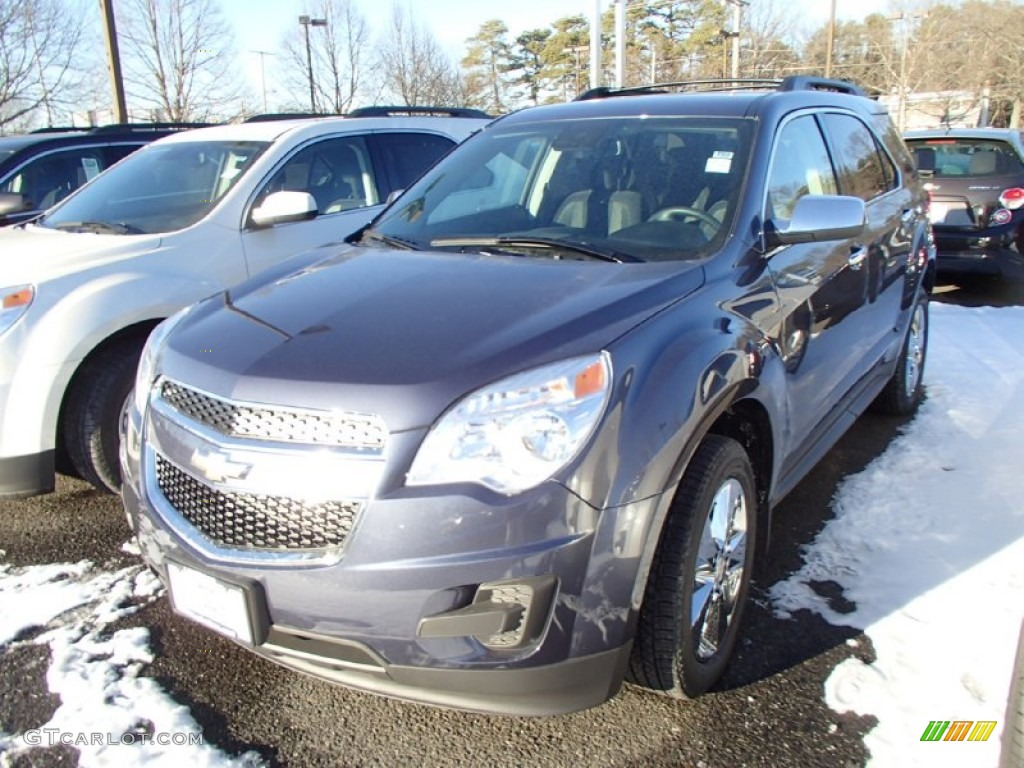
x=697, y=588
x=904, y=392
x=93, y=411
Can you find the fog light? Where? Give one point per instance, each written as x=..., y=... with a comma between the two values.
x=503, y=615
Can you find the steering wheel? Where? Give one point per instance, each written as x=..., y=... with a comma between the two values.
x=682, y=212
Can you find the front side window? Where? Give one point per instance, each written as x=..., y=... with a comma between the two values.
x=800, y=166
x=46, y=180
x=161, y=188
x=336, y=172
x=652, y=189
x=859, y=160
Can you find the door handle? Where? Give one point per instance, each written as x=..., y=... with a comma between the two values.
x=856, y=258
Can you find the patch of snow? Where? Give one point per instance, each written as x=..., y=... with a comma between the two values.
x=928, y=543
x=108, y=712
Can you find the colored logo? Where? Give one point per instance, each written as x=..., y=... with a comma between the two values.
x=958, y=730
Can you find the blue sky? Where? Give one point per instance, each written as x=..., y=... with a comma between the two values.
x=260, y=24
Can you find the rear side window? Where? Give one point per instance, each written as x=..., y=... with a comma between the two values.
x=864, y=170
x=407, y=155
x=800, y=166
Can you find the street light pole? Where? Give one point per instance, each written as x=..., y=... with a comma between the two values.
x=306, y=22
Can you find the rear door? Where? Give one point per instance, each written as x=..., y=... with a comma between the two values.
x=866, y=171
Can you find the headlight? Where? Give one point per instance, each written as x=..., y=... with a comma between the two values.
x=146, y=372
x=14, y=302
x=515, y=434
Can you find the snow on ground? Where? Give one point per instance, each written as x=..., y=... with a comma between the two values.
x=110, y=714
x=928, y=542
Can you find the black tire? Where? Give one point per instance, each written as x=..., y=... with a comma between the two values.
x=904, y=392
x=92, y=414
x=670, y=654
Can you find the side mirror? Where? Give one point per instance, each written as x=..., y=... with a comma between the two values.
x=11, y=202
x=280, y=207
x=394, y=195
x=819, y=218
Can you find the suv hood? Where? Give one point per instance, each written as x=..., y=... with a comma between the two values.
x=31, y=254
x=404, y=334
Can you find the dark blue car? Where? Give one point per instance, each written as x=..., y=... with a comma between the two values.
x=521, y=439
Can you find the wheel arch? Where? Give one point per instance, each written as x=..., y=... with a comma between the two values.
x=137, y=332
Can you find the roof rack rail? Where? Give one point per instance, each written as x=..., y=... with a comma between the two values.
x=399, y=111
x=273, y=116
x=713, y=84
x=791, y=83
x=140, y=127
x=61, y=129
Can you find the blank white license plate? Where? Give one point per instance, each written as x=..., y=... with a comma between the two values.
x=220, y=606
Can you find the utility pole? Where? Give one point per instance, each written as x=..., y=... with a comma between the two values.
x=114, y=61
x=737, y=5
x=306, y=21
x=595, y=46
x=263, y=75
x=830, y=47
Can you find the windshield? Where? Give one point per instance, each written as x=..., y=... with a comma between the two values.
x=624, y=189
x=160, y=188
x=948, y=156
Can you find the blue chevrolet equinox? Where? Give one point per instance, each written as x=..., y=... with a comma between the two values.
x=520, y=439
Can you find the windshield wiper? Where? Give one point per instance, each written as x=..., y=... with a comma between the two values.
x=374, y=236
x=108, y=227
x=543, y=243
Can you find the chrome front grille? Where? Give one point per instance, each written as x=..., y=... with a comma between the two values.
x=356, y=431
x=255, y=521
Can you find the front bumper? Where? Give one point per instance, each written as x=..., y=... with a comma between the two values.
x=394, y=609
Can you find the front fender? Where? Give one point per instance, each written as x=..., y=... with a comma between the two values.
x=62, y=329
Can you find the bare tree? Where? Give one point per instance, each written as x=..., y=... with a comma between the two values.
x=178, y=58
x=770, y=33
x=38, y=53
x=338, y=53
x=414, y=68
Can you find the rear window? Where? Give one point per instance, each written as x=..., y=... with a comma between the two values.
x=950, y=156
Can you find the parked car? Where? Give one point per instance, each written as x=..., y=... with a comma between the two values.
x=39, y=169
x=82, y=286
x=521, y=438
x=976, y=180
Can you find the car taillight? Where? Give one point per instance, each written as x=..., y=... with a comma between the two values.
x=1012, y=198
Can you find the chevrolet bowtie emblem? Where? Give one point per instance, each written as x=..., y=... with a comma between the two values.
x=216, y=467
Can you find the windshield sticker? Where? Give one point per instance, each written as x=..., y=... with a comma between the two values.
x=91, y=167
x=719, y=162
